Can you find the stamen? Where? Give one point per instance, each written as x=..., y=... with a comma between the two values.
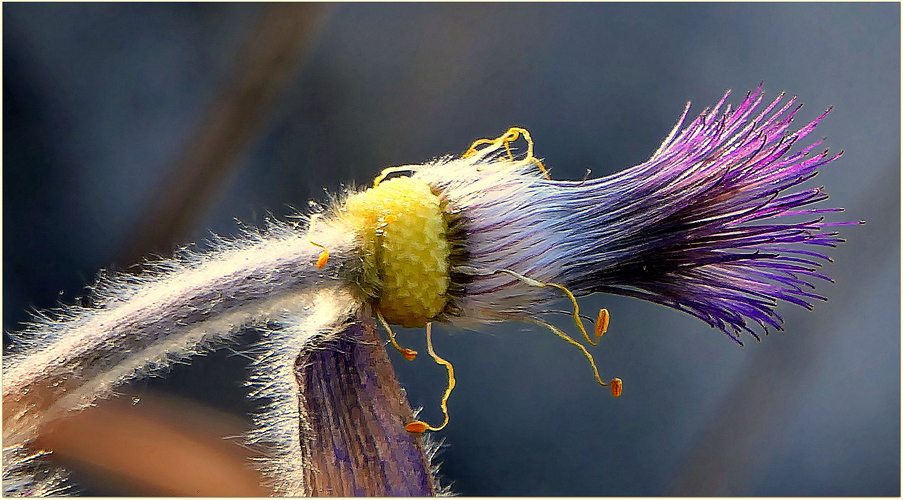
x=505, y=140
x=324, y=255
x=419, y=426
x=601, y=327
x=615, y=384
x=576, y=310
x=409, y=354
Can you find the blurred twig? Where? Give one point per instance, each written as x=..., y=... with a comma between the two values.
x=270, y=57
x=161, y=446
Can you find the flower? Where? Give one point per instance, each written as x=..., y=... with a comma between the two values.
x=713, y=224
x=708, y=225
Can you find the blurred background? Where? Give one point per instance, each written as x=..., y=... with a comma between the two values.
x=132, y=129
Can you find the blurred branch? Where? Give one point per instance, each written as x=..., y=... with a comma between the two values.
x=357, y=412
x=163, y=446
x=271, y=56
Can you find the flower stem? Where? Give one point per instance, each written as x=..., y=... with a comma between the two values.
x=356, y=411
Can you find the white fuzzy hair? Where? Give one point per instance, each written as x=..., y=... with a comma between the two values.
x=505, y=215
x=509, y=216
x=314, y=316
x=184, y=306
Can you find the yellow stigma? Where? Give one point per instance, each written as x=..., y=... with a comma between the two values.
x=405, y=250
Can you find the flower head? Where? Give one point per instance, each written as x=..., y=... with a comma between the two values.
x=713, y=224
x=709, y=225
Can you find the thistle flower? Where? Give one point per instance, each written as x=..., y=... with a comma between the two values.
x=708, y=225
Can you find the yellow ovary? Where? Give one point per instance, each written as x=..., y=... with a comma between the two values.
x=405, y=250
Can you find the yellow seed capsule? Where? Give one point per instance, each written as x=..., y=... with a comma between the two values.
x=405, y=250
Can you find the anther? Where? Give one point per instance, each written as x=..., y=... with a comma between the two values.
x=409, y=354
x=616, y=387
x=602, y=323
x=419, y=426
x=323, y=258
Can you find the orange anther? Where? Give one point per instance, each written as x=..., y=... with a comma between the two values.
x=389, y=218
x=602, y=323
x=417, y=427
x=409, y=354
x=324, y=257
x=616, y=387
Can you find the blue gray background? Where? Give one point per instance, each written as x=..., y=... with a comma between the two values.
x=99, y=99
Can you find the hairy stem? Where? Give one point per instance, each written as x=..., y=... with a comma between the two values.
x=142, y=324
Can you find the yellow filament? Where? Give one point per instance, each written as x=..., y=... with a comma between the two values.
x=616, y=383
x=505, y=140
x=420, y=426
x=601, y=327
x=387, y=172
x=601, y=324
